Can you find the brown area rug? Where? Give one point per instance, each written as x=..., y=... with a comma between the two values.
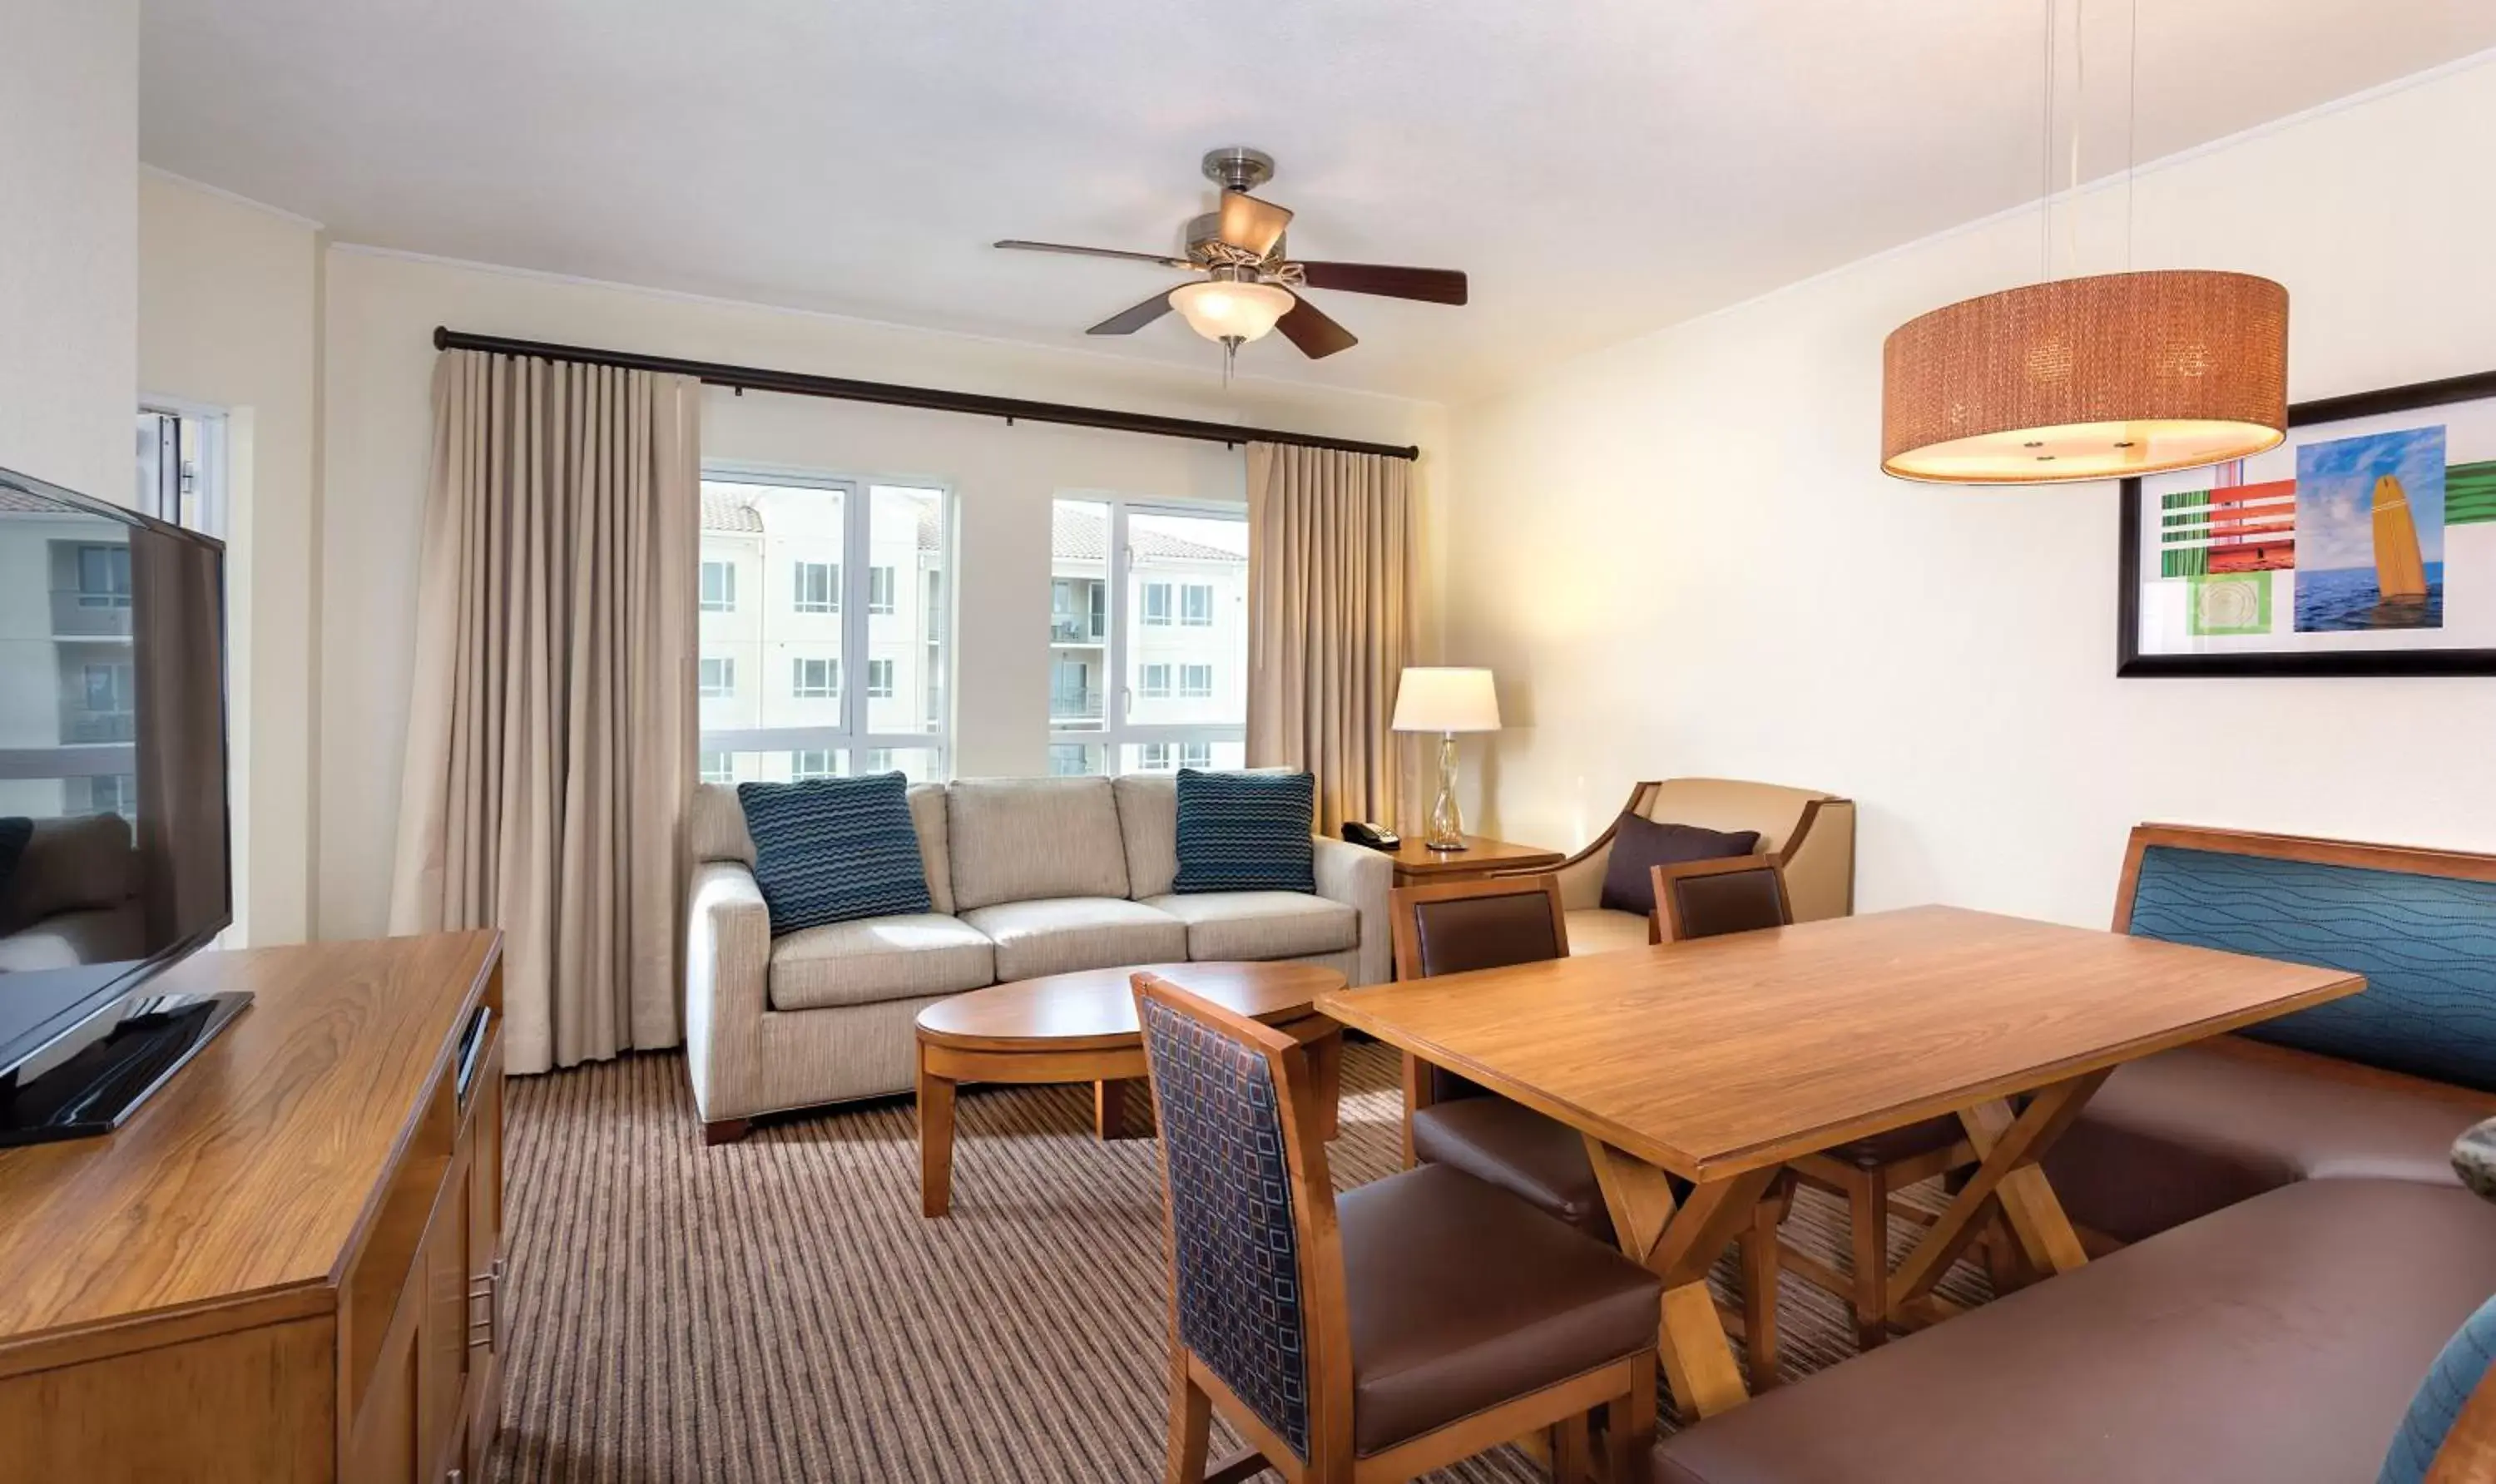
x=778, y=1311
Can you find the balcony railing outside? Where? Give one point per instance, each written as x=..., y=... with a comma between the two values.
x=77, y=619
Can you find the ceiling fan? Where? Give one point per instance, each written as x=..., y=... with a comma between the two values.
x=1249, y=287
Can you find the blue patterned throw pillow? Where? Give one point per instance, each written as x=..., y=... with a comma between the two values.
x=832, y=850
x=1246, y=831
x=2440, y=1398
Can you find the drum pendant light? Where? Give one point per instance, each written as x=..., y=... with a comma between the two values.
x=2091, y=378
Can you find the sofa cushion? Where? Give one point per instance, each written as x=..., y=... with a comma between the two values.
x=1022, y=839
x=1597, y=930
x=879, y=958
x=834, y=850
x=1060, y=935
x=2425, y=944
x=1148, y=820
x=1246, y=832
x=1261, y=924
x=1641, y=844
x=719, y=833
x=2179, y=1135
x=2278, y=1339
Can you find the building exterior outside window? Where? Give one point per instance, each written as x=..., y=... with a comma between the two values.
x=821, y=566
x=1156, y=594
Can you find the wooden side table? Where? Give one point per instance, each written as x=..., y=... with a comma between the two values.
x=1416, y=862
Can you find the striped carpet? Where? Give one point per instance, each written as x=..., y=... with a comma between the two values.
x=778, y=1311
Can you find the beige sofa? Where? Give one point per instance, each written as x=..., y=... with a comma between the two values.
x=1028, y=876
x=1811, y=834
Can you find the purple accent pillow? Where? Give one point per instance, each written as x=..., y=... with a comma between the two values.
x=1640, y=843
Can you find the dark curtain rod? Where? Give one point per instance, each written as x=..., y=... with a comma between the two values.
x=842, y=389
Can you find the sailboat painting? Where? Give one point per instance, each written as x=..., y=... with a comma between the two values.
x=2370, y=525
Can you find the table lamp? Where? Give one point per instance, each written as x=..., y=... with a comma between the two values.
x=1446, y=700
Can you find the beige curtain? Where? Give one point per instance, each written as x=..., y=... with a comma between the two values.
x=1329, y=620
x=550, y=751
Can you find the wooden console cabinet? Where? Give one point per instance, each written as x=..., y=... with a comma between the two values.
x=287, y=1265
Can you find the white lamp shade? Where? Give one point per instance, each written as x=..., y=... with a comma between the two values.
x=1229, y=310
x=1446, y=698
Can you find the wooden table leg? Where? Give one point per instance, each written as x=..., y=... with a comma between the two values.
x=2010, y=1180
x=1109, y=1109
x=1326, y=1070
x=1680, y=1241
x=935, y=1143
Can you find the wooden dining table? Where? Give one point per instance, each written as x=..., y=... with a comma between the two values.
x=1718, y=1060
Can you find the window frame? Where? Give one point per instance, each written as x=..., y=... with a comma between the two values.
x=726, y=690
x=802, y=586
x=1114, y=734
x=851, y=579
x=1187, y=617
x=800, y=687
x=726, y=601
x=879, y=689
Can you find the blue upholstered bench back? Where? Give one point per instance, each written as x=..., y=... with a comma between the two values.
x=2425, y=944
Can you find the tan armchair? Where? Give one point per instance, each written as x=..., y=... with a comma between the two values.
x=1810, y=833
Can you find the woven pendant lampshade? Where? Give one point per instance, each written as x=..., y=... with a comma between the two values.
x=2094, y=378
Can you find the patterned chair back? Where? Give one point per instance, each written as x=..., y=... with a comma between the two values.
x=1705, y=898
x=2421, y=925
x=1239, y=1239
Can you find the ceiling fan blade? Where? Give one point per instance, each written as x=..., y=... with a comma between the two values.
x=1128, y=322
x=1435, y=285
x=1306, y=326
x=1163, y=259
x=1251, y=225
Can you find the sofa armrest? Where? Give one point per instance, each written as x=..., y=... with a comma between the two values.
x=728, y=965
x=1360, y=878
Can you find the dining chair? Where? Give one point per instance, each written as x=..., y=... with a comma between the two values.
x=1453, y=927
x=1742, y=893
x=1378, y=1335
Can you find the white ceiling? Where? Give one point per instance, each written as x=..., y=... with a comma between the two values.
x=1601, y=167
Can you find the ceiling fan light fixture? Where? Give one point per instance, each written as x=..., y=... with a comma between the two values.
x=1236, y=310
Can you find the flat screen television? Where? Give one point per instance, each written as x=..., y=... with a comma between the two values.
x=114, y=856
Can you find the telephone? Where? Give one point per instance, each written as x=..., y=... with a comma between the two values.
x=1378, y=837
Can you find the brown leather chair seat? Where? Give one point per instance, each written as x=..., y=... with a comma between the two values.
x=2181, y=1134
x=1461, y=1297
x=1540, y=1161
x=2277, y=1341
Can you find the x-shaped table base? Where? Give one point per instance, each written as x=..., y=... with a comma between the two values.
x=1680, y=1240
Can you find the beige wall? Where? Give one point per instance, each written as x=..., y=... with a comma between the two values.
x=380, y=313
x=229, y=312
x=1681, y=558
x=69, y=164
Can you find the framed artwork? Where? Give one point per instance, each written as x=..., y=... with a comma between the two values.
x=2365, y=544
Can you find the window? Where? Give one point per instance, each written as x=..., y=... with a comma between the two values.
x=107, y=687
x=814, y=679
x=1142, y=676
x=118, y=794
x=103, y=576
x=718, y=676
x=847, y=548
x=718, y=768
x=818, y=587
x=875, y=759
x=719, y=587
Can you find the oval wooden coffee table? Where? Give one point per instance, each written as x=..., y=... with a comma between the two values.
x=1081, y=1028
